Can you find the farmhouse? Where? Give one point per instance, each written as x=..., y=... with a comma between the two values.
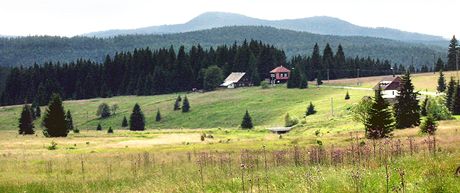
x=389, y=86
x=237, y=79
x=279, y=75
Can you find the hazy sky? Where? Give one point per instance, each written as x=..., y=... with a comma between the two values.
x=73, y=17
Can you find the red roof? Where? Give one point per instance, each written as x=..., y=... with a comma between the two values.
x=280, y=69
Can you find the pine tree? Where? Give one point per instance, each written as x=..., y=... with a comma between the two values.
x=452, y=54
x=158, y=117
x=439, y=65
x=177, y=103
x=99, y=127
x=26, y=124
x=347, y=96
x=110, y=130
x=310, y=109
x=124, y=123
x=185, y=105
x=380, y=122
x=294, y=79
x=450, y=93
x=407, y=109
x=69, y=121
x=441, y=82
x=456, y=100
x=137, y=121
x=424, y=107
x=54, y=119
x=429, y=125
x=38, y=112
x=247, y=121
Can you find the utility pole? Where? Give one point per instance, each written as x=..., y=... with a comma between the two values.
x=332, y=106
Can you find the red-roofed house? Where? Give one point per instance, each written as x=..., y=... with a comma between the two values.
x=279, y=75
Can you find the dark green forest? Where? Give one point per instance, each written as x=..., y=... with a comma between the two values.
x=26, y=51
x=155, y=71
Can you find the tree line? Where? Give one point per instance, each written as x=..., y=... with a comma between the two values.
x=140, y=72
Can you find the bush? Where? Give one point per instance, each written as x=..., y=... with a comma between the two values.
x=103, y=110
x=76, y=130
x=52, y=146
x=310, y=109
x=264, y=84
x=124, y=123
x=185, y=105
x=290, y=121
x=99, y=127
x=436, y=107
x=110, y=130
x=347, y=96
x=429, y=125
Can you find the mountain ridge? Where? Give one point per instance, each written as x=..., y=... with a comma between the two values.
x=323, y=25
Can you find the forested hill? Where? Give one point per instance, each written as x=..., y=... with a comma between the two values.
x=29, y=50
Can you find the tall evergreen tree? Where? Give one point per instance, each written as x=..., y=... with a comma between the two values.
x=452, y=54
x=26, y=124
x=379, y=122
x=456, y=100
x=158, y=117
x=450, y=93
x=328, y=62
x=407, y=109
x=185, y=105
x=294, y=79
x=177, y=103
x=253, y=71
x=124, y=123
x=441, y=82
x=316, y=61
x=439, y=65
x=69, y=121
x=247, y=121
x=136, y=120
x=54, y=119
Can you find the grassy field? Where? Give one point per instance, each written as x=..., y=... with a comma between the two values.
x=171, y=157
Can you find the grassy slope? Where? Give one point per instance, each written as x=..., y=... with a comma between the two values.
x=224, y=108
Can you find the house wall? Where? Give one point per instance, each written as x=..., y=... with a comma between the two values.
x=389, y=93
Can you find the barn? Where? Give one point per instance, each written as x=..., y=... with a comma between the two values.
x=237, y=79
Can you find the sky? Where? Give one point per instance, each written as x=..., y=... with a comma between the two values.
x=75, y=17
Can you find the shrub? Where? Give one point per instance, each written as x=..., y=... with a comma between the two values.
x=439, y=111
x=310, y=109
x=99, y=127
x=52, y=146
x=264, y=84
x=177, y=103
x=76, y=130
x=103, y=110
x=124, y=123
x=110, y=130
x=185, y=105
x=347, y=96
x=290, y=121
x=158, y=117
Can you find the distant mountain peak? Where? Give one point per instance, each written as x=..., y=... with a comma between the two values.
x=324, y=25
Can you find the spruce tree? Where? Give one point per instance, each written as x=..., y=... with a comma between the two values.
x=185, y=105
x=450, y=93
x=379, y=122
x=429, y=125
x=54, y=121
x=452, y=54
x=310, y=109
x=424, y=107
x=110, y=130
x=247, y=121
x=303, y=82
x=439, y=65
x=347, y=96
x=407, y=109
x=441, y=82
x=177, y=103
x=158, y=117
x=124, y=123
x=294, y=79
x=69, y=121
x=38, y=112
x=137, y=121
x=26, y=124
x=99, y=127
x=455, y=106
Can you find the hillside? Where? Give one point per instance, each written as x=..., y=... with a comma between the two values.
x=28, y=50
x=318, y=25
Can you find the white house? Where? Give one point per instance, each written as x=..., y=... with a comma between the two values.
x=389, y=86
x=236, y=79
